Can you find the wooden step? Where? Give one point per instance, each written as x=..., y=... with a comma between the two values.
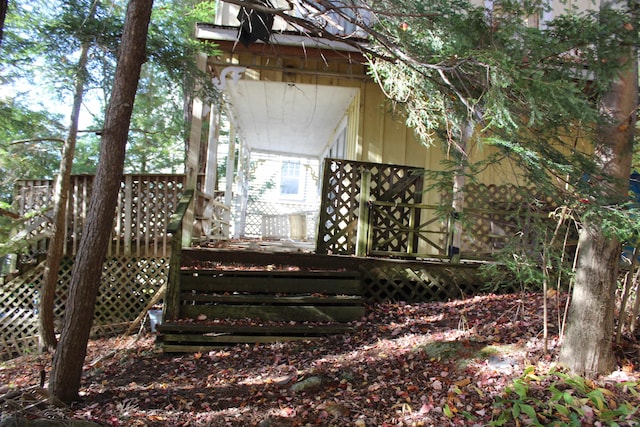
x=224, y=306
x=239, y=299
x=208, y=328
x=280, y=313
x=314, y=296
x=261, y=281
x=204, y=336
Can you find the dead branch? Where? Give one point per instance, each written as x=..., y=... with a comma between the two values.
x=10, y=214
x=144, y=311
x=43, y=139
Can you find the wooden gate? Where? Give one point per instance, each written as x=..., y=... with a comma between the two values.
x=375, y=209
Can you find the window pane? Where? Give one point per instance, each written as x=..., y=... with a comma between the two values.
x=290, y=178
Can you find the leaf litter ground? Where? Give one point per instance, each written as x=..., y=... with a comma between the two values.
x=427, y=364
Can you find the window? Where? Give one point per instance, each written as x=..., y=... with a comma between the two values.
x=338, y=149
x=290, y=178
x=538, y=19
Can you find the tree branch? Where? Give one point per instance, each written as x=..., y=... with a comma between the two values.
x=26, y=141
x=5, y=212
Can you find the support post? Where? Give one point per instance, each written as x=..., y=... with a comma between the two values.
x=193, y=154
x=362, y=233
x=244, y=165
x=211, y=173
x=171, y=306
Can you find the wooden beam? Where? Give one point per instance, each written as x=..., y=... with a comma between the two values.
x=175, y=228
x=274, y=50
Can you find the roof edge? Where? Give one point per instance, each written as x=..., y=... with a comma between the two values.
x=228, y=33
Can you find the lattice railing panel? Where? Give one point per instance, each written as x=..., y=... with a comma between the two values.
x=18, y=315
x=402, y=186
x=388, y=227
x=341, y=199
x=399, y=225
x=127, y=285
x=422, y=227
x=338, y=213
x=495, y=213
x=420, y=283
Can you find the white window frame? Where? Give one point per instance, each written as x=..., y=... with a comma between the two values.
x=300, y=180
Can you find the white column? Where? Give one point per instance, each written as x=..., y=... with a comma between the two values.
x=211, y=172
x=230, y=173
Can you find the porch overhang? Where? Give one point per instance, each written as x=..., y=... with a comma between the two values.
x=283, y=117
x=227, y=37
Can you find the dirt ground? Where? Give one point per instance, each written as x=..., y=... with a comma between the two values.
x=431, y=364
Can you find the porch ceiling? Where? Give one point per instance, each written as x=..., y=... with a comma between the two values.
x=287, y=118
x=284, y=118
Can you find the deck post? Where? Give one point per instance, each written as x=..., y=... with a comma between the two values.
x=211, y=171
x=362, y=231
x=128, y=209
x=192, y=168
x=171, y=307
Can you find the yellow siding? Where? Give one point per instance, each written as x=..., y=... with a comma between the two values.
x=372, y=126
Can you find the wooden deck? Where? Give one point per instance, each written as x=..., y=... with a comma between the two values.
x=253, y=291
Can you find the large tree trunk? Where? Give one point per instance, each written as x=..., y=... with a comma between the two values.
x=61, y=196
x=459, y=180
x=87, y=270
x=586, y=349
x=4, y=5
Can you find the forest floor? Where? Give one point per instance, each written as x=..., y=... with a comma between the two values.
x=477, y=362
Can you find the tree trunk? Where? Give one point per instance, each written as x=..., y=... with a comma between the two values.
x=459, y=179
x=4, y=6
x=586, y=349
x=87, y=269
x=60, y=198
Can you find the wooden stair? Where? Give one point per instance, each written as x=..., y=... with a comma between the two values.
x=226, y=306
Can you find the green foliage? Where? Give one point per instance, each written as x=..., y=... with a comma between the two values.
x=524, y=87
x=532, y=93
x=168, y=80
x=560, y=399
x=540, y=246
x=29, y=145
x=40, y=50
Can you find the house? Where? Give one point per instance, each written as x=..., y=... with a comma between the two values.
x=296, y=96
x=321, y=157
x=307, y=98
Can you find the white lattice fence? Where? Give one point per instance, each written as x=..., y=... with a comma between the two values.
x=18, y=315
x=126, y=287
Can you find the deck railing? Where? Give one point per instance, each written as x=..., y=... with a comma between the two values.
x=144, y=208
x=371, y=209
x=212, y=218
